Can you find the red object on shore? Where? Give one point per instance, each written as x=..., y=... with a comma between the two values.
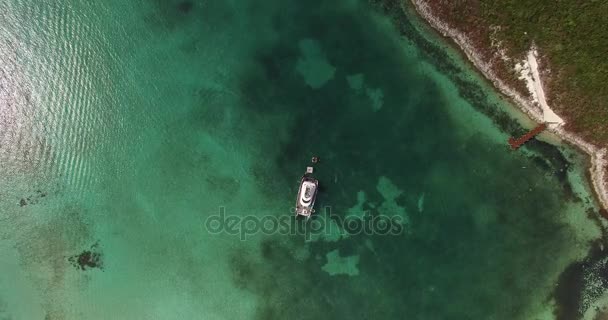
x=516, y=143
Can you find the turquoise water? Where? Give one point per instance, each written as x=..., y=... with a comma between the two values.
x=125, y=125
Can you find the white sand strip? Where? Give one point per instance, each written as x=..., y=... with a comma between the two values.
x=528, y=70
x=548, y=114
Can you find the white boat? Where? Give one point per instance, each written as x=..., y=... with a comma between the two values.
x=307, y=195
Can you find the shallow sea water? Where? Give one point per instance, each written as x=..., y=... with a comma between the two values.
x=125, y=125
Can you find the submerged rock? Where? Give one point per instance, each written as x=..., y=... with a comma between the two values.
x=34, y=198
x=582, y=284
x=185, y=6
x=87, y=259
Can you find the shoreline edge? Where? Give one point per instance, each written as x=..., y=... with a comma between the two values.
x=598, y=156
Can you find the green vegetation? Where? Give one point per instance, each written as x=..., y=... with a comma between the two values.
x=572, y=38
x=572, y=35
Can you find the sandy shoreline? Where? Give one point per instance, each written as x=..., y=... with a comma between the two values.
x=598, y=156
